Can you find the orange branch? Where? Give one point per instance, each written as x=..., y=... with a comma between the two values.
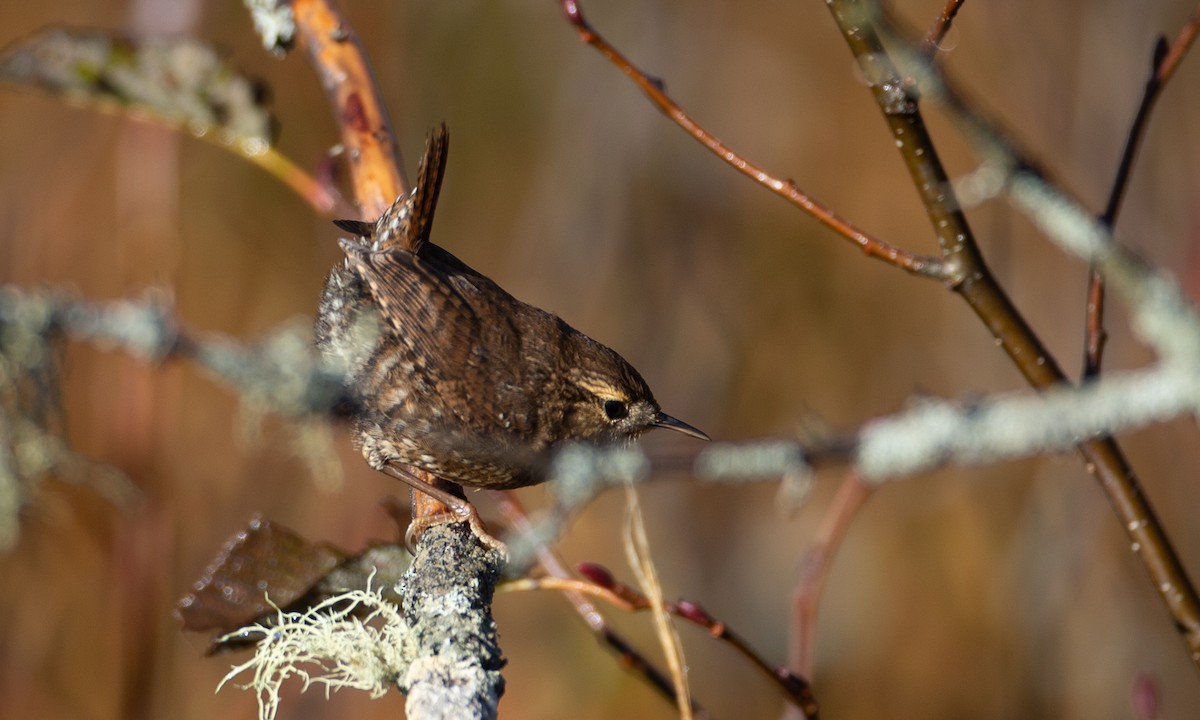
x=368, y=140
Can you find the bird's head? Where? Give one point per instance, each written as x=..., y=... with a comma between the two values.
x=611, y=403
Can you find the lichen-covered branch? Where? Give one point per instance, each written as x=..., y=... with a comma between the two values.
x=456, y=659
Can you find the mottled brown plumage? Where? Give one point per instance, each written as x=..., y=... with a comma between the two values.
x=452, y=374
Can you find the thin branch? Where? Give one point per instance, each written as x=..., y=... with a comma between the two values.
x=603, y=585
x=1179, y=48
x=1095, y=337
x=369, y=143
x=969, y=275
x=1163, y=65
x=786, y=188
x=322, y=198
x=637, y=554
x=941, y=25
x=631, y=659
x=815, y=568
x=572, y=586
x=1163, y=317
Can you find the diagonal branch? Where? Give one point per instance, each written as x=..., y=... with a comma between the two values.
x=1102, y=457
x=333, y=49
x=787, y=189
x=940, y=27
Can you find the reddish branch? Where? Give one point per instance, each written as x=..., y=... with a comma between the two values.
x=630, y=657
x=786, y=188
x=814, y=571
x=793, y=687
x=941, y=25
x=368, y=141
x=1094, y=334
x=600, y=583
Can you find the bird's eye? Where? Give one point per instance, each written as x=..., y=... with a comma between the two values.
x=615, y=409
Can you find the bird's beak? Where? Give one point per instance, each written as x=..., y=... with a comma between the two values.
x=664, y=420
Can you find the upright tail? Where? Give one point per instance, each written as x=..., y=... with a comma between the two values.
x=407, y=223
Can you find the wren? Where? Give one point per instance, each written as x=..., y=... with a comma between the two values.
x=454, y=376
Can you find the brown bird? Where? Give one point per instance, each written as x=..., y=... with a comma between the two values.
x=454, y=376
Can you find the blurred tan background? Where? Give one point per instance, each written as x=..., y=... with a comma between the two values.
x=999, y=592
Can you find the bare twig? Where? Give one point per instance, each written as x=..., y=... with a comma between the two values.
x=319, y=196
x=1094, y=335
x=814, y=571
x=1064, y=220
x=1178, y=49
x=637, y=552
x=1163, y=65
x=786, y=188
x=1102, y=456
x=941, y=25
x=603, y=585
x=630, y=657
x=963, y=269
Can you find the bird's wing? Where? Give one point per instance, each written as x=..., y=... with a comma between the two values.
x=422, y=308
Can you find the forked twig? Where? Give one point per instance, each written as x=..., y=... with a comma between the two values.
x=600, y=583
x=1103, y=458
x=961, y=266
x=576, y=592
x=787, y=189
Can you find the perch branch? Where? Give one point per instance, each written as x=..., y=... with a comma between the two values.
x=457, y=669
x=447, y=604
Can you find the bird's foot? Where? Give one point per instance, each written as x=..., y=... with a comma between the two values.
x=458, y=509
x=465, y=512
